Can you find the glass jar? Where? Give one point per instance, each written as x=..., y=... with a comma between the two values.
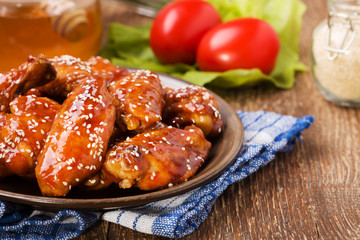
x=50, y=27
x=335, y=53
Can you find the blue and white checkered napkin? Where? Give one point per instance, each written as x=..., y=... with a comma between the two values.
x=266, y=133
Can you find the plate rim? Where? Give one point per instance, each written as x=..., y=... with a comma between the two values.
x=136, y=200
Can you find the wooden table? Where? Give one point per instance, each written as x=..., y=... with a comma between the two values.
x=311, y=192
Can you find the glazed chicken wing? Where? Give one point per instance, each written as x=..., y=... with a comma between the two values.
x=139, y=99
x=154, y=159
x=105, y=69
x=23, y=132
x=119, y=135
x=71, y=71
x=192, y=105
x=78, y=139
x=35, y=72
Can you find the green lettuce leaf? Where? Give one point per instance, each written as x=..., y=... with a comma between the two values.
x=129, y=46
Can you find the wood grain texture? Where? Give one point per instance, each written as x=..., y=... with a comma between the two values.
x=311, y=192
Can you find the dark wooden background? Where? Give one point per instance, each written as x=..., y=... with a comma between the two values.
x=312, y=192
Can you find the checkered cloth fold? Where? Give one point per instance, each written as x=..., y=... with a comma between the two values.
x=266, y=133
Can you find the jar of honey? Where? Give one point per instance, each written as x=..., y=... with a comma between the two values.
x=49, y=27
x=335, y=53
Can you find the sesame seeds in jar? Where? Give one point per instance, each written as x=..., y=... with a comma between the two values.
x=335, y=54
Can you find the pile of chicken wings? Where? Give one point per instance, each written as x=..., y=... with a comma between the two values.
x=90, y=124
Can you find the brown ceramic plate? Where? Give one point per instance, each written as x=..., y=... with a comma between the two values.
x=222, y=154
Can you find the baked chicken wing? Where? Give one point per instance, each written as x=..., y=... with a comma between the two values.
x=35, y=72
x=138, y=99
x=71, y=71
x=23, y=132
x=78, y=139
x=192, y=105
x=154, y=159
x=105, y=69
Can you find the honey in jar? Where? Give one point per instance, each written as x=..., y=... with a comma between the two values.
x=50, y=27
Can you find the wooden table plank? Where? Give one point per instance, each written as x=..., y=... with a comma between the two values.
x=313, y=191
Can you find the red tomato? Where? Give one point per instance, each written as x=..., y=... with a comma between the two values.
x=178, y=28
x=242, y=43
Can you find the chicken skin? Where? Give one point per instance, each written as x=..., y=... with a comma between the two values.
x=35, y=72
x=192, y=105
x=77, y=141
x=71, y=71
x=154, y=159
x=101, y=180
x=139, y=99
x=105, y=69
x=23, y=133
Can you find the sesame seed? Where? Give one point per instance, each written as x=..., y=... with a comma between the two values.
x=92, y=181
